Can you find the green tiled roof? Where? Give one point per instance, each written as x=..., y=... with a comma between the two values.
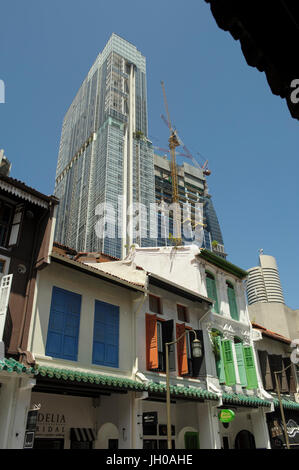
x=222, y=263
x=287, y=403
x=243, y=400
x=90, y=377
x=11, y=365
x=180, y=391
x=120, y=382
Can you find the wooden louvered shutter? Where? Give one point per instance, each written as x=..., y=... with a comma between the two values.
x=167, y=337
x=64, y=323
x=284, y=381
x=105, y=349
x=276, y=366
x=151, y=342
x=229, y=367
x=212, y=292
x=250, y=367
x=241, y=365
x=220, y=361
x=265, y=370
x=182, y=350
x=290, y=374
x=232, y=303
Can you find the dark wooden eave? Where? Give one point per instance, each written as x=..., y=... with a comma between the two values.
x=269, y=34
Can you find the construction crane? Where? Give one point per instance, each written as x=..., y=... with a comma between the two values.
x=173, y=143
x=187, y=153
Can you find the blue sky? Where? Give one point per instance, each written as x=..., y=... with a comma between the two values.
x=221, y=107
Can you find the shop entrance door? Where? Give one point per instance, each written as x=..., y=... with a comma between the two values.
x=41, y=443
x=245, y=440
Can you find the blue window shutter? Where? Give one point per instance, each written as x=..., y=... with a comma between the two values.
x=106, y=334
x=64, y=323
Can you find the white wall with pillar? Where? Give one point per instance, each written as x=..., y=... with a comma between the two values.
x=15, y=396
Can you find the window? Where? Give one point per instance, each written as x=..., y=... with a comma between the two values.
x=240, y=361
x=158, y=333
x=232, y=301
x=6, y=212
x=182, y=313
x=155, y=304
x=250, y=367
x=224, y=359
x=187, y=364
x=212, y=291
x=2, y=266
x=64, y=321
x=106, y=334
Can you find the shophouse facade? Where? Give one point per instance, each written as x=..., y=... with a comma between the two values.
x=276, y=353
x=27, y=219
x=228, y=379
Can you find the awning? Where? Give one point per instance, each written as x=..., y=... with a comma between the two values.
x=83, y=434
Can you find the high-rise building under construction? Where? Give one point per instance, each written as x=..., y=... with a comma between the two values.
x=105, y=163
x=192, y=190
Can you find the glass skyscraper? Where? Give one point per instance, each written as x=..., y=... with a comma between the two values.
x=105, y=163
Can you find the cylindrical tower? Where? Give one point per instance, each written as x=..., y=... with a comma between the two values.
x=263, y=282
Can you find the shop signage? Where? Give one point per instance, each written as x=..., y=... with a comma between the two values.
x=226, y=416
x=292, y=428
x=50, y=423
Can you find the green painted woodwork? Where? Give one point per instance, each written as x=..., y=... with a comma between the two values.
x=212, y=292
x=250, y=367
x=228, y=358
x=241, y=365
x=232, y=303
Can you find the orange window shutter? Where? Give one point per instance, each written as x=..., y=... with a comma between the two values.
x=182, y=350
x=151, y=342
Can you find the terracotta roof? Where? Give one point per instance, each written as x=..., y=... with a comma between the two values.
x=271, y=334
x=64, y=247
x=96, y=270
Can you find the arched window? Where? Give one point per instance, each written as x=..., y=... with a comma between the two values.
x=212, y=291
x=232, y=301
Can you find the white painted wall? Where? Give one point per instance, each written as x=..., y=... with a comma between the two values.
x=15, y=393
x=90, y=289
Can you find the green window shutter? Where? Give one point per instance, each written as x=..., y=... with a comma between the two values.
x=241, y=365
x=232, y=303
x=250, y=367
x=212, y=293
x=220, y=362
x=229, y=367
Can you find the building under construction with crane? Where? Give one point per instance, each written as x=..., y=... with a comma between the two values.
x=185, y=187
x=192, y=190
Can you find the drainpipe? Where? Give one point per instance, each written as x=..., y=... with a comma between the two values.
x=29, y=283
x=135, y=369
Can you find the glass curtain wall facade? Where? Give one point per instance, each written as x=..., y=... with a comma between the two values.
x=105, y=163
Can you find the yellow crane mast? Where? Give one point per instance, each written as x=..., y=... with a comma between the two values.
x=173, y=143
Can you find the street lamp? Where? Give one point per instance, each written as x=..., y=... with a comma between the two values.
x=196, y=352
